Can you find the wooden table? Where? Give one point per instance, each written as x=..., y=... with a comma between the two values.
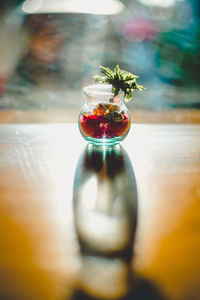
x=39, y=254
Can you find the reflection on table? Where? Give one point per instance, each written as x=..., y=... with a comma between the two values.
x=105, y=212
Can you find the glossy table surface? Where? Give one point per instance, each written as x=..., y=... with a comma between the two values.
x=39, y=253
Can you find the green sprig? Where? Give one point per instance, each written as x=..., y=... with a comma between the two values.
x=120, y=80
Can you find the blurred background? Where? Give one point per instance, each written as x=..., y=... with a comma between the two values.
x=50, y=49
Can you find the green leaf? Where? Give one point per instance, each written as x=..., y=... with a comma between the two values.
x=115, y=90
x=117, y=72
x=108, y=72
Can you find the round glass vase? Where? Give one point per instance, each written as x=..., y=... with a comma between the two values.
x=104, y=119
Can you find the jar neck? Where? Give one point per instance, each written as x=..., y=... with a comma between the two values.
x=102, y=93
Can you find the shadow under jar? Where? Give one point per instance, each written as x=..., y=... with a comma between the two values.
x=104, y=118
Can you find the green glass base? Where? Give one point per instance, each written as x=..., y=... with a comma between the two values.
x=108, y=142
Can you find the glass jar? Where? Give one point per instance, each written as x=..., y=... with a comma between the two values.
x=104, y=118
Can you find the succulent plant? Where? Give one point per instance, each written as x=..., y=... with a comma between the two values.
x=120, y=80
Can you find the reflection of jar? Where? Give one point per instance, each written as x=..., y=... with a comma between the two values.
x=105, y=219
x=104, y=118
